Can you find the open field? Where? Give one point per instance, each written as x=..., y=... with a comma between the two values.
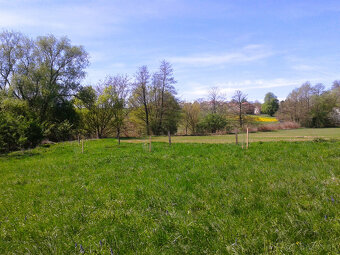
x=276, y=197
x=301, y=134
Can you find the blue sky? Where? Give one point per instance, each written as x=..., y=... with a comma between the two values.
x=255, y=46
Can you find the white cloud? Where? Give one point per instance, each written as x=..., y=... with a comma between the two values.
x=303, y=67
x=247, y=54
x=228, y=88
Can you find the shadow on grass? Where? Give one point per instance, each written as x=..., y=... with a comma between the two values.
x=19, y=155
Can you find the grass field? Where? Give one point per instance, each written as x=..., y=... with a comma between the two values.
x=302, y=134
x=276, y=197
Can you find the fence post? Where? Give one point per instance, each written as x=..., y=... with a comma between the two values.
x=247, y=137
x=150, y=144
x=169, y=134
x=82, y=145
x=236, y=137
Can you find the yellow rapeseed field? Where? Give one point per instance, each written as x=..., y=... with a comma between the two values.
x=264, y=119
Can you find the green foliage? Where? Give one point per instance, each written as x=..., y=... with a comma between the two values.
x=42, y=74
x=271, y=104
x=211, y=123
x=171, y=116
x=275, y=198
x=321, y=110
x=18, y=128
x=59, y=132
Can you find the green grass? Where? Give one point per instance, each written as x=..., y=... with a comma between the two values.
x=276, y=197
x=301, y=134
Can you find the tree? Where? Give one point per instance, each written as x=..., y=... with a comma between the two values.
x=215, y=97
x=171, y=115
x=336, y=84
x=117, y=89
x=163, y=85
x=50, y=71
x=239, y=98
x=322, y=108
x=310, y=106
x=43, y=74
x=271, y=104
x=141, y=96
x=10, y=55
x=191, y=114
x=213, y=122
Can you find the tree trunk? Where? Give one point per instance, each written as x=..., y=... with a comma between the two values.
x=118, y=136
x=240, y=115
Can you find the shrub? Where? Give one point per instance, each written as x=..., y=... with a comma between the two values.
x=278, y=126
x=59, y=131
x=18, y=132
x=212, y=123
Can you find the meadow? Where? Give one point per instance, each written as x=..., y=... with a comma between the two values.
x=190, y=198
x=301, y=134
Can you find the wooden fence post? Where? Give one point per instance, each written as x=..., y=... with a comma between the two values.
x=169, y=134
x=247, y=137
x=236, y=137
x=150, y=144
x=82, y=145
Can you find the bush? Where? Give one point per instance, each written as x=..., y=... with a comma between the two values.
x=59, y=131
x=19, y=128
x=18, y=132
x=212, y=123
x=278, y=126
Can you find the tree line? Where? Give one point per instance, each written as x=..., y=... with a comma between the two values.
x=42, y=98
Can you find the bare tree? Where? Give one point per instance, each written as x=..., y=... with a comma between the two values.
x=117, y=90
x=239, y=98
x=163, y=83
x=336, y=84
x=215, y=98
x=318, y=89
x=10, y=54
x=141, y=91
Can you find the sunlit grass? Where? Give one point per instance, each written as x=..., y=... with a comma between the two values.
x=276, y=197
x=302, y=134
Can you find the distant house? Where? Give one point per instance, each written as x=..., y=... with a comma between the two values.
x=257, y=110
x=335, y=115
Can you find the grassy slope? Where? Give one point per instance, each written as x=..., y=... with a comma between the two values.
x=190, y=198
x=302, y=134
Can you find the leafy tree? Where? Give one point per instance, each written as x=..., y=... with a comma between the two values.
x=43, y=74
x=50, y=71
x=271, y=104
x=213, y=122
x=116, y=91
x=95, y=110
x=191, y=116
x=322, y=108
x=311, y=106
x=171, y=114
